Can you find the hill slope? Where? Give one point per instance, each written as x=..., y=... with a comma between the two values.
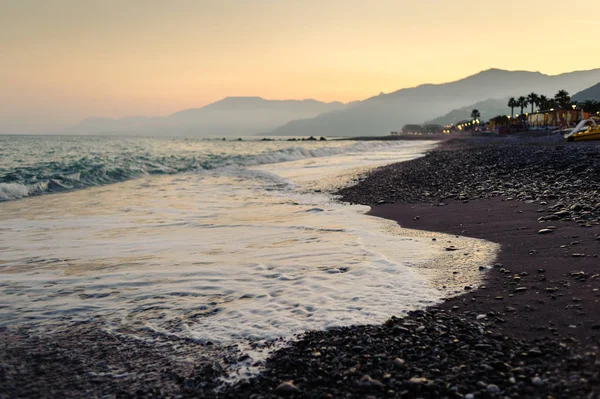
x=591, y=93
x=381, y=114
x=488, y=109
x=231, y=116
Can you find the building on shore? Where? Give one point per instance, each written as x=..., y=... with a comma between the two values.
x=555, y=119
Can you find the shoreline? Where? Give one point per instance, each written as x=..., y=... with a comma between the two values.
x=540, y=286
x=540, y=202
x=442, y=351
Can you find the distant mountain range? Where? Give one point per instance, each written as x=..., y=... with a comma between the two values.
x=494, y=107
x=592, y=93
x=231, y=116
x=381, y=114
x=488, y=109
x=488, y=91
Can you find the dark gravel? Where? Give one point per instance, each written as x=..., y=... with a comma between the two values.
x=564, y=178
x=85, y=360
x=429, y=354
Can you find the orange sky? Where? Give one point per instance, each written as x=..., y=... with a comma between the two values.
x=63, y=60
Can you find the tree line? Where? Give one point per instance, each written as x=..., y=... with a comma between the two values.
x=562, y=100
x=427, y=128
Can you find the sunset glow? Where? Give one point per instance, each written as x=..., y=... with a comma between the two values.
x=64, y=60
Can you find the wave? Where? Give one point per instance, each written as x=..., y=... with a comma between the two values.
x=89, y=171
x=13, y=191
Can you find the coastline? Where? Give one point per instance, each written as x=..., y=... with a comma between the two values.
x=531, y=329
x=541, y=284
x=439, y=352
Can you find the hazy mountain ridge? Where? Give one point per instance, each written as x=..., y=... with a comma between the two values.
x=591, y=93
x=383, y=113
x=493, y=107
x=487, y=91
x=231, y=116
x=488, y=109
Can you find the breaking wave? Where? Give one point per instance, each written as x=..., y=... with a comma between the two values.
x=96, y=168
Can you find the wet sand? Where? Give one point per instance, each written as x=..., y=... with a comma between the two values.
x=542, y=285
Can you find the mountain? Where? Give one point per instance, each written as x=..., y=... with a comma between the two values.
x=381, y=114
x=488, y=109
x=231, y=116
x=591, y=93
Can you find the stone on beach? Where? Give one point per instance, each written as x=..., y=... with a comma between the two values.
x=286, y=388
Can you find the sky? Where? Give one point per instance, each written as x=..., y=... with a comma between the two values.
x=65, y=60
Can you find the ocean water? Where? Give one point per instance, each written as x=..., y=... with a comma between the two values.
x=210, y=240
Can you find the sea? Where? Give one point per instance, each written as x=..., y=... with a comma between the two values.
x=212, y=240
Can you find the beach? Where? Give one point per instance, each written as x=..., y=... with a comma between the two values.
x=530, y=329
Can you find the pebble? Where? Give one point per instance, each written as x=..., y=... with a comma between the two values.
x=367, y=382
x=493, y=389
x=286, y=388
x=399, y=362
x=537, y=381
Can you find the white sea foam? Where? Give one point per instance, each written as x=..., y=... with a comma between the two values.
x=12, y=191
x=233, y=253
x=82, y=162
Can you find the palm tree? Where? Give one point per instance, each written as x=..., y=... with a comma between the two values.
x=563, y=99
x=522, y=102
x=543, y=103
x=512, y=103
x=533, y=99
x=475, y=114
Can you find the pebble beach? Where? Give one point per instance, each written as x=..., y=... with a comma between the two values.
x=532, y=329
